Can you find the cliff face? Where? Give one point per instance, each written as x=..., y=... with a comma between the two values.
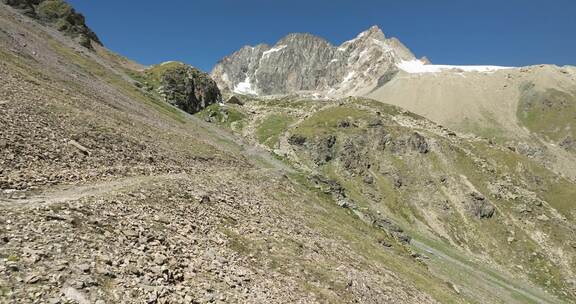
x=303, y=62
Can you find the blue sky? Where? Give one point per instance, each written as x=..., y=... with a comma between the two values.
x=500, y=32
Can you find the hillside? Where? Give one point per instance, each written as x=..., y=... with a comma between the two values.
x=110, y=195
x=454, y=196
x=529, y=109
x=111, y=191
x=516, y=107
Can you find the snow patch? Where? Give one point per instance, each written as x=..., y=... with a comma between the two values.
x=273, y=50
x=416, y=67
x=333, y=60
x=349, y=76
x=225, y=78
x=245, y=87
x=167, y=62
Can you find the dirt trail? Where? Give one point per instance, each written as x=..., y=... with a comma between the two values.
x=65, y=193
x=487, y=282
x=254, y=153
x=62, y=193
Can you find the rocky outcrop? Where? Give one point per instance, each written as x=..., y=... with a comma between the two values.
x=235, y=100
x=60, y=15
x=322, y=150
x=478, y=206
x=188, y=88
x=304, y=63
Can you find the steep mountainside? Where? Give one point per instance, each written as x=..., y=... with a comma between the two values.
x=452, y=196
x=303, y=62
x=531, y=110
x=111, y=195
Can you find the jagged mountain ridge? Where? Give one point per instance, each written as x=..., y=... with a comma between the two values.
x=304, y=62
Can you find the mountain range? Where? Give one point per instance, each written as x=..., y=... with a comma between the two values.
x=296, y=173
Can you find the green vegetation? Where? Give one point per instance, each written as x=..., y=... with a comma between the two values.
x=326, y=121
x=224, y=116
x=152, y=77
x=340, y=223
x=549, y=113
x=269, y=131
x=53, y=9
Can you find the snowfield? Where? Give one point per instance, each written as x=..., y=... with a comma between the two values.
x=245, y=87
x=416, y=67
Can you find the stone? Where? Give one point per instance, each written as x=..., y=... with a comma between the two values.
x=478, y=206
x=418, y=143
x=375, y=123
x=368, y=179
x=343, y=124
x=297, y=140
x=159, y=259
x=205, y=199
x=84, y=268
x=80, y=147
x=235, y=100
x=31, y=279
x=543, y=218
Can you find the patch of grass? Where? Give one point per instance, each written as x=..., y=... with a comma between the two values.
x=238, y=243
x=326, y=121
x=223, y=116
x=269, y=131
x=53, y=9
x=550, y=113
x=153, y=75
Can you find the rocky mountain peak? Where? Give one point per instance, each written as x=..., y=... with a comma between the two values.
x=301, y=62
x=298, y=38
x=373, y=32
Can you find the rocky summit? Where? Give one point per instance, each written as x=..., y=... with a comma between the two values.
x=296, y=173
x=303, y=62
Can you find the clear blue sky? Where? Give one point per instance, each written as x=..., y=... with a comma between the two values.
x=200, y=32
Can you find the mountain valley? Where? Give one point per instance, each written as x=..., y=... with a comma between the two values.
x=296, y=173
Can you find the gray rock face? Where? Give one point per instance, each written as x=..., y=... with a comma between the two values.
x=189, y=89
x=306, y=63
x=479, y=206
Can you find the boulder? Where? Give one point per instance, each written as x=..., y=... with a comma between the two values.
x=235, y=100
x=297, y=140
x=418, y=143
x=189, y=88
x=323, y=150
x=479, y=207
